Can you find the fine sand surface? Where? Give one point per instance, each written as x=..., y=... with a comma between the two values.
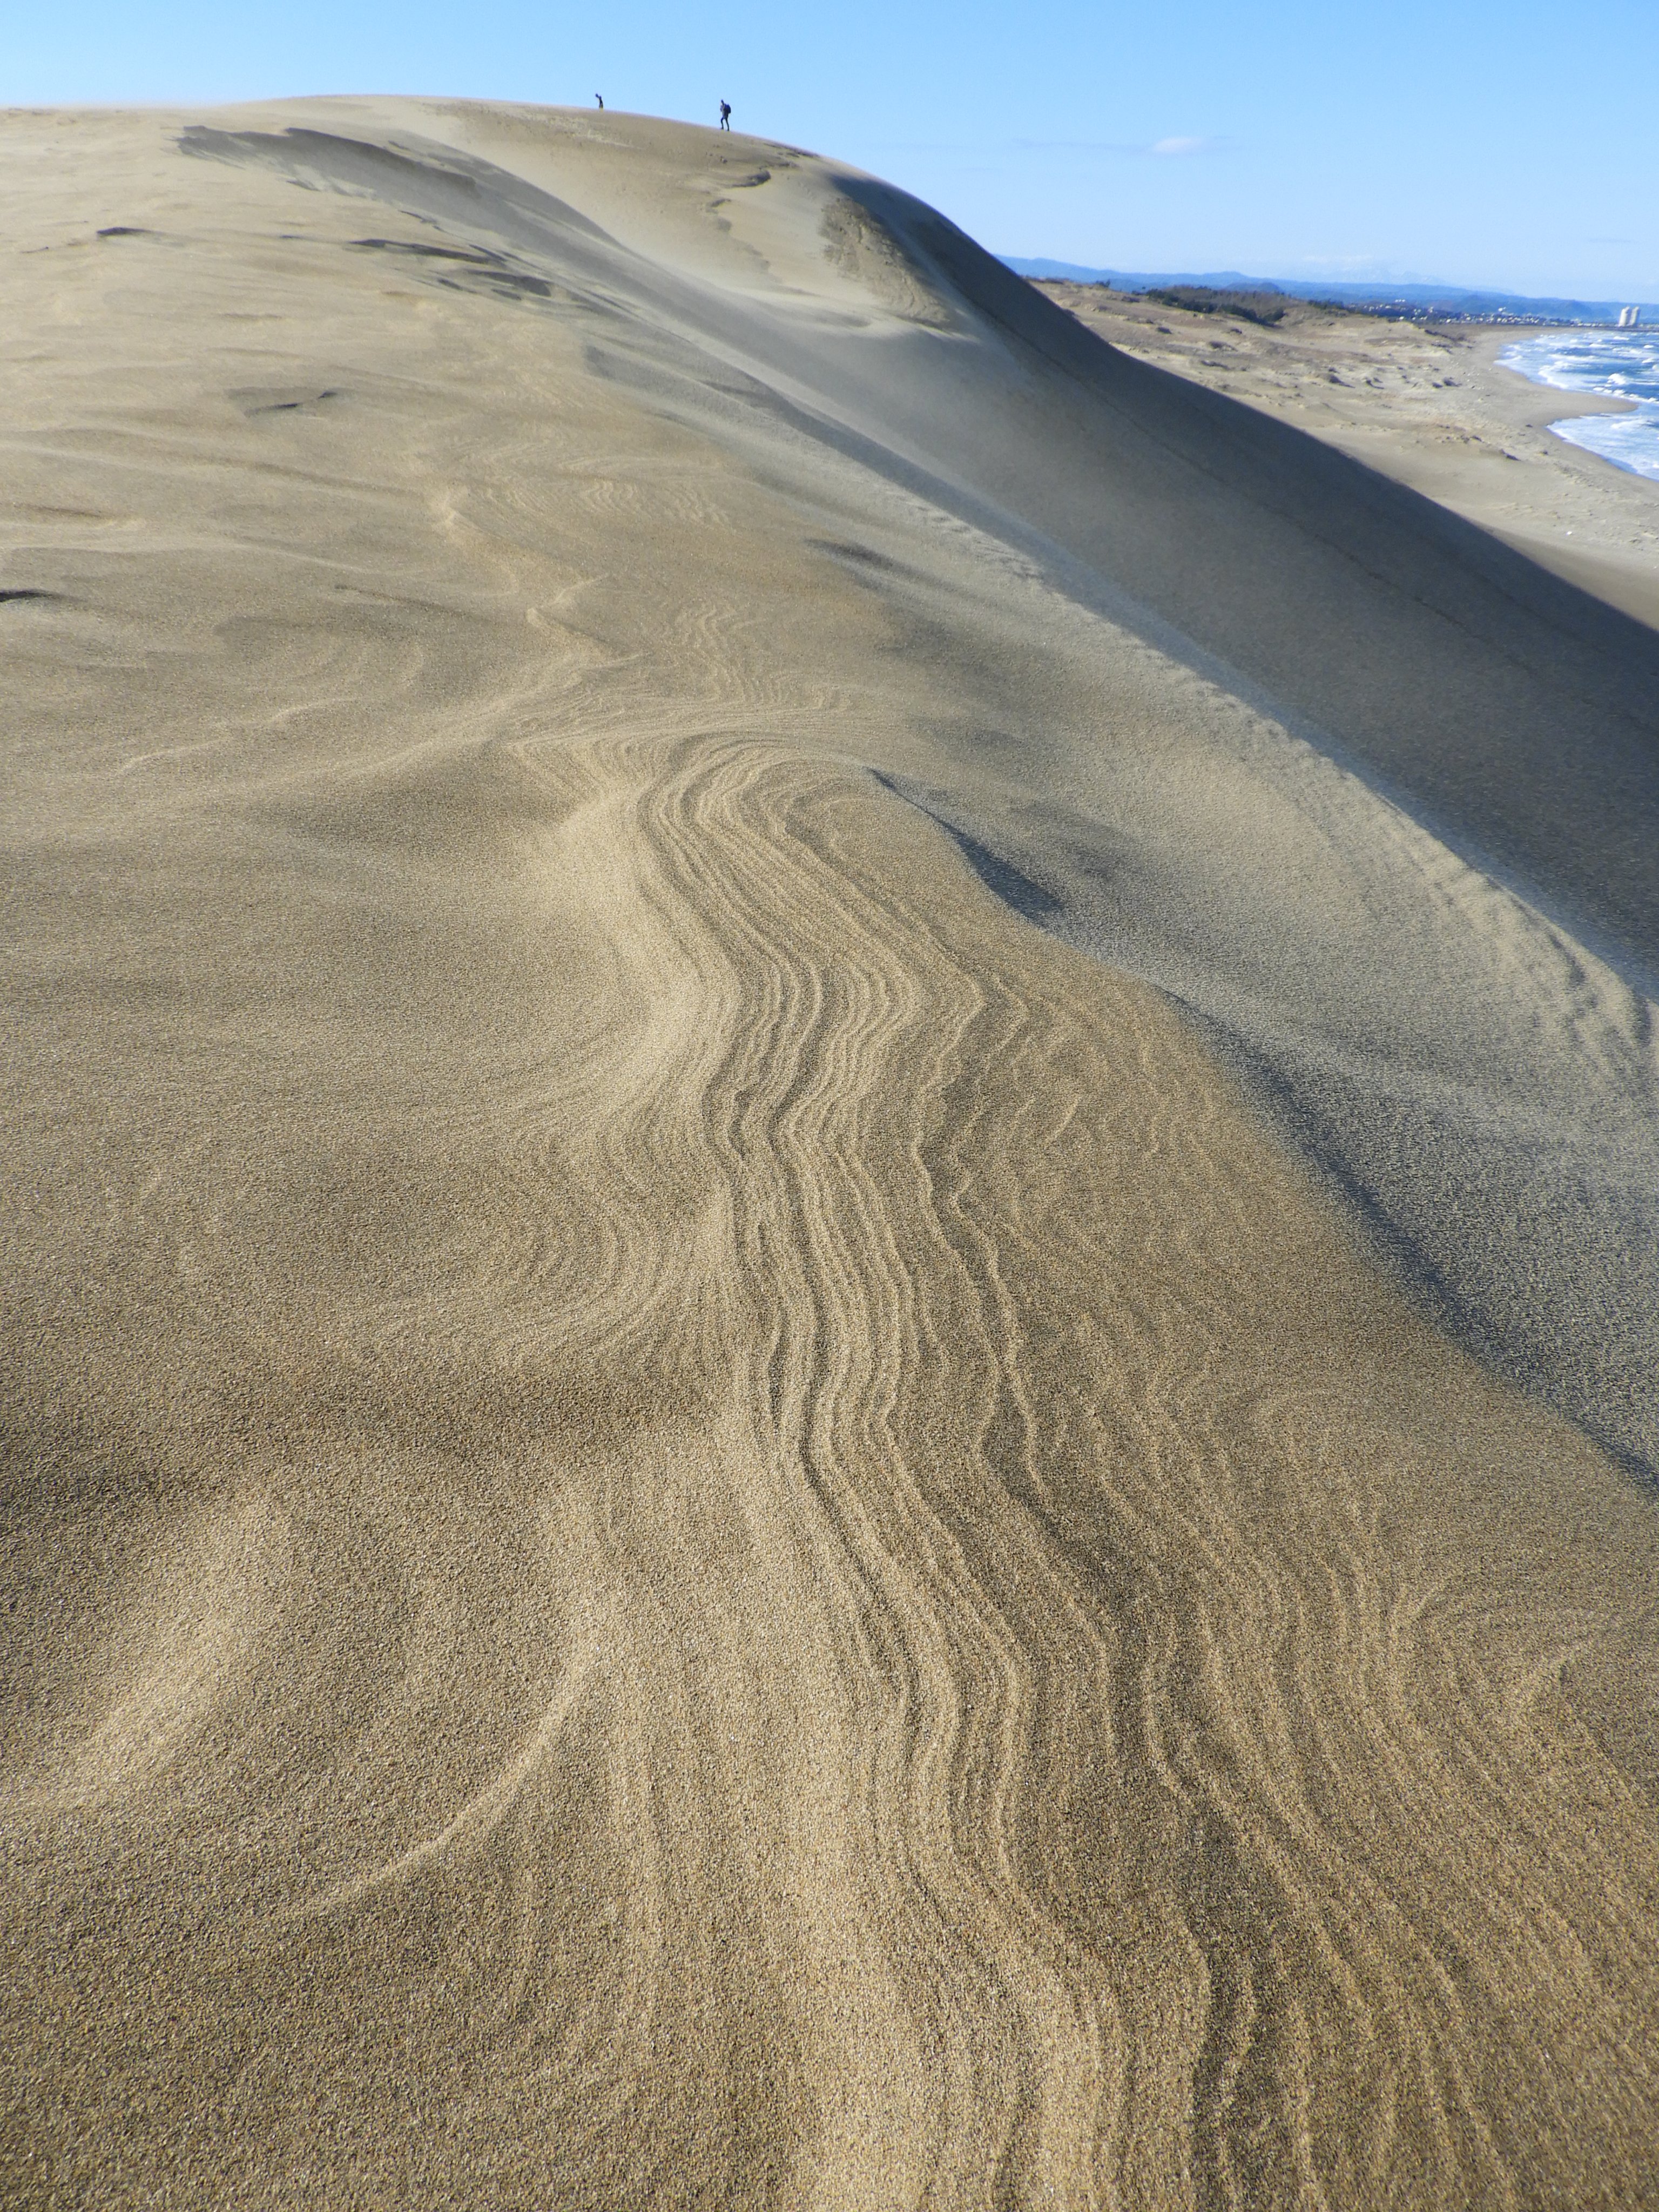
x=690, y=1518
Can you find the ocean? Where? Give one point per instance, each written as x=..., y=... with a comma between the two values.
x=1622, y=363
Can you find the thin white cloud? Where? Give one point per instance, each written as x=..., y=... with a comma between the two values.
x=1181, y=145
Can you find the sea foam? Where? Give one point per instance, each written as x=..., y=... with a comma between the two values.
x=1619, y=364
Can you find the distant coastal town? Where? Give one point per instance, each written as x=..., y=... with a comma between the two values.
x=1414, y=303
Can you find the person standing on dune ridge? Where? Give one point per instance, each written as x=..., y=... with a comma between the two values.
x=599, y=97
x=726, y=115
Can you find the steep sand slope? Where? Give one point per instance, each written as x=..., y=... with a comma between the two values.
x=1426, y=403
x=1457, y=1065
x=689, y=1519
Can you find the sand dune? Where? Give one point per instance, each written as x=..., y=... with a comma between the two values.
x=1426, y=403
x=691, y=1518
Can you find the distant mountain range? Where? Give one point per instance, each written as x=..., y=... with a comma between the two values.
x=1448, y=299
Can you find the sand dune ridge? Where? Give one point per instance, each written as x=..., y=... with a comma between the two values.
x=690, y=1518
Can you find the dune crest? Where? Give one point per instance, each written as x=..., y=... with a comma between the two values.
x=692, y=1519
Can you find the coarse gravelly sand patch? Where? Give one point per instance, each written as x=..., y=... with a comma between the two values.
x=688, y=1517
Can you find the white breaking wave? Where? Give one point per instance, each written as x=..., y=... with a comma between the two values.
x=1619, y=364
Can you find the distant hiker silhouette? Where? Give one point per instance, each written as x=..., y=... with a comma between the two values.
x=600, y=96
x=726, y=115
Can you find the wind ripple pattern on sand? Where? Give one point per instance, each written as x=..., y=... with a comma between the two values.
x=687, y=1520
x=970, y=1678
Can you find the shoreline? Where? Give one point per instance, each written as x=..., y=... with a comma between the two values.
x=1602, y=565
x=1493, y=345
x=1430, y=406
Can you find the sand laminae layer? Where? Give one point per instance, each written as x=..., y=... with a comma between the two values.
x=691, y=1518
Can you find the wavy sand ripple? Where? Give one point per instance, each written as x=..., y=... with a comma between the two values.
x=690, y=1520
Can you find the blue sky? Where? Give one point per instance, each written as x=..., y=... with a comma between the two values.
x=1502, y=144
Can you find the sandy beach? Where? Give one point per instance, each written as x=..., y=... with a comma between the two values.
x=832, y=1212
x=1430, y=406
